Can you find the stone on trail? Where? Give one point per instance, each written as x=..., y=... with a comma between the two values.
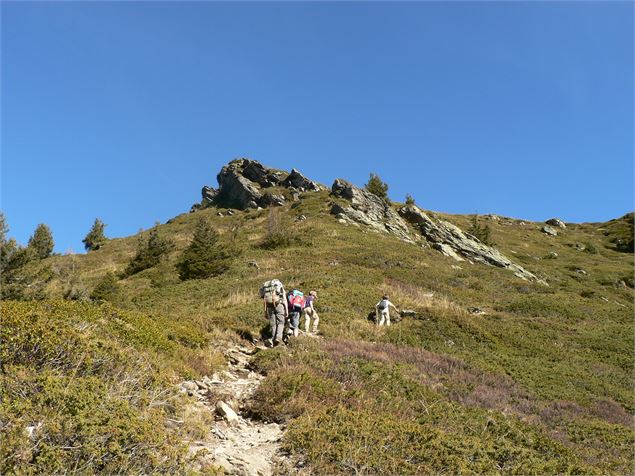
x=226, y=412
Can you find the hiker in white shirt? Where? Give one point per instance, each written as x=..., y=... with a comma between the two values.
x=382, y=311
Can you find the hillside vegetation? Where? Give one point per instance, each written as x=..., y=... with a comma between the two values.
x=539, y=382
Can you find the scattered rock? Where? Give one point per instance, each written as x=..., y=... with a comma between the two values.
x=220, y=214
x=367, y=209
x=547, y=230
x=407, y=313
x=270, y=199
x=579, y=247
x=454, y=266
x=557, y=222
x=226, y=412
x=253, y=264
x=300, y=218
x=451, y=241
x=551, y=255
x=476, y=311
x=230, y=212
x=580, y=271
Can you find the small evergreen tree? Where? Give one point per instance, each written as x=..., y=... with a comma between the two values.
x=95, y=237
x=206, y=256
x=410, y=199
x=377, y=187
x=107, y=288
x=481, y=232
x=16, y=280
x=41, y=243
x=149, y=252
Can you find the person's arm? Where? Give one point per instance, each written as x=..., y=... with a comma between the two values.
x=393, y=306
x=286, y=303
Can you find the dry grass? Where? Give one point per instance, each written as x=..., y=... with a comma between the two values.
x=411, y=296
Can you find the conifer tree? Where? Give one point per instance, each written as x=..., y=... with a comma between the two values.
x=482, y=232
x=95, y=237
x=410, y=199
x=377, y=187
x=41, y=243
x=206, y=256
x=149, y=252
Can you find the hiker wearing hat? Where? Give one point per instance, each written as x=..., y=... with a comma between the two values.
x=311, y=313
x=382, y=311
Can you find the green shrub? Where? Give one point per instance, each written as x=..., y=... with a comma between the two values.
x=107, y=288
x=75, y=400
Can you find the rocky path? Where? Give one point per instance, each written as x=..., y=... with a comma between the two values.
x=236, y=443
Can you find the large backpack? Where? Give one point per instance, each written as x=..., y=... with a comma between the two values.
x=296, y=300
x=272, y=292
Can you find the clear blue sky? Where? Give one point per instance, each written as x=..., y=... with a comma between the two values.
x=125, y=110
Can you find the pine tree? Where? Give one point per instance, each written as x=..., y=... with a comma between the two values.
x=482, y=233
x=377, y=187
x=149, y=252
x=410, y=199
x=95, y=237
x=206, y=256
x=41, y=243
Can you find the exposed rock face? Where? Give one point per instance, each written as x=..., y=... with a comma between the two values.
x=296, y=180
x=451, y=241
x=556, y=222
x=547, y=230
x=242, y=184
x=368, y=209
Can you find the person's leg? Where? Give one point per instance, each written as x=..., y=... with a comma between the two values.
x=294, y=322
x=279, y=323
x=272, y=323
x=387, y=317
x=382, y=320
x=316, y=321
x=307, y=319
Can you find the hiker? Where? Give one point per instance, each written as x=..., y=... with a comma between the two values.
x=296, y=303
x=276, y=309
x=382, y=311
x=311, y=313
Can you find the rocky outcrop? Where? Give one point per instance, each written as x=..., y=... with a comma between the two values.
x=453, y=242
x=365, y=208
x=243, y=184
x=298, y=181
x=557, y=222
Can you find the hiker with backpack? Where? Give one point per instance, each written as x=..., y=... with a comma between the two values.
x=276, y=309
x=382, y=311
x=311, y=313
x=296, y=303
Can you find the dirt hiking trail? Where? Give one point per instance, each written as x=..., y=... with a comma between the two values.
x=236, y=443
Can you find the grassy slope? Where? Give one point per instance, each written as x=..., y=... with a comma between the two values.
x=542, y=382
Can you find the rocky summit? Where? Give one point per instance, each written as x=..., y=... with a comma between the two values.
x=245, y=183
